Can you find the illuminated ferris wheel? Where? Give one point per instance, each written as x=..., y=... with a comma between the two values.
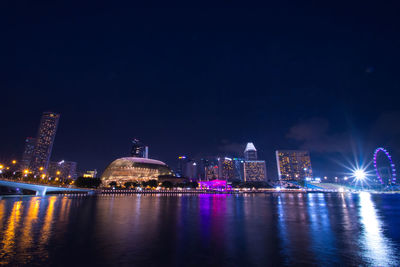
x=384, y=167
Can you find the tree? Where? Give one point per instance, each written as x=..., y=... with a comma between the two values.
x=131, y=184
x=193, y=185
x=167, y=184
x=181, y=185
x=152, y=183
x=88, y=182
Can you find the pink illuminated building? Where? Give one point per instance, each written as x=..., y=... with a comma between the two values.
x=218, y=185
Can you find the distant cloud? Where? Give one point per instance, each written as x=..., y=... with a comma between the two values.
x=232, y=148
x=314, y=135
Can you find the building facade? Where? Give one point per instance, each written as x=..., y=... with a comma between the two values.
x=211, y=172
x=133, y=169
x=44, y=142
x=187, y=168
x=255, y=171
x=90, y=174
x=28, y=153
x=238, y=169
x=293, y=165
x=226, y=169
x=62, y=169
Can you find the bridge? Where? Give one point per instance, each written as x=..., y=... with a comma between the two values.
x=41, y=190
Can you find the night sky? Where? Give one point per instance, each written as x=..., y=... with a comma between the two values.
x=202, y=81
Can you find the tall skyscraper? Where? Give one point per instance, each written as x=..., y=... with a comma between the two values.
x=44, y=142
x=250, y=152
x=187, y=167
x=254, y=170
x=182, y=161
x=28, y=153
x=211, y=172
x=226, y=169
x=139, y=150
x=293, y=164
x=238, y=169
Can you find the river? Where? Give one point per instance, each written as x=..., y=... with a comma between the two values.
x=201, y=230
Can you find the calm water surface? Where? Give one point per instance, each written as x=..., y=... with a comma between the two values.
x=226, y=230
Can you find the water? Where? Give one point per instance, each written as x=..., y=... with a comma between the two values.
x=201, y=230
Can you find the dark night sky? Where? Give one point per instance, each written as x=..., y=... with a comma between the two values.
x=202, y=81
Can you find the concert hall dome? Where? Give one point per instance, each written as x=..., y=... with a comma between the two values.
x=132, y=169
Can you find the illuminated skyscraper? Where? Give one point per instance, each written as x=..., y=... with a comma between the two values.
x=28, y=152
x=226, y=169
x=44, y=142
x=211, y=172
x=238, y=168
x=293, y=164
x=182, y=161
x=139, y=150
x=254, y=170
x=250, y=152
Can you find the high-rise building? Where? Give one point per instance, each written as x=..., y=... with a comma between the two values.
x=28, y=152
x=62, y=169
x=250, y=152
x=190, y=170
x=182, y=161
x=211, y=172
x=255, y=171
x=139, y=150
x=226, y=169
x=293, y=164
x=44, y=142
x=187, y=168
x=238, y=169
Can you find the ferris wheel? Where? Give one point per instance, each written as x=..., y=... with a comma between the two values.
x=380, y=167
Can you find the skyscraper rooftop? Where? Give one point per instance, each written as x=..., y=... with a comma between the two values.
x=250, y=152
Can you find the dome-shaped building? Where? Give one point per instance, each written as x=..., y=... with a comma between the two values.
x=133, y=169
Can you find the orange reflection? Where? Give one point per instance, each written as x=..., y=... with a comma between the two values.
x=2, y=214
x=44, y=236
x=31, y=217
x=8, y=242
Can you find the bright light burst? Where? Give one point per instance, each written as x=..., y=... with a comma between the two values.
x=360, y=174
x=358, y=171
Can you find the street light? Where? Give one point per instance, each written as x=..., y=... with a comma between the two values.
x=14, y=162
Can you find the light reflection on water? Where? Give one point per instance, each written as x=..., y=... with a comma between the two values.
x=256, y=229
x=377, y=248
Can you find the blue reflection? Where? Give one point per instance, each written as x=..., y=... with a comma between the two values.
x=378, y=249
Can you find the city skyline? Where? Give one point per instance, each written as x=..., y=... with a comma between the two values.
x=138, y=149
